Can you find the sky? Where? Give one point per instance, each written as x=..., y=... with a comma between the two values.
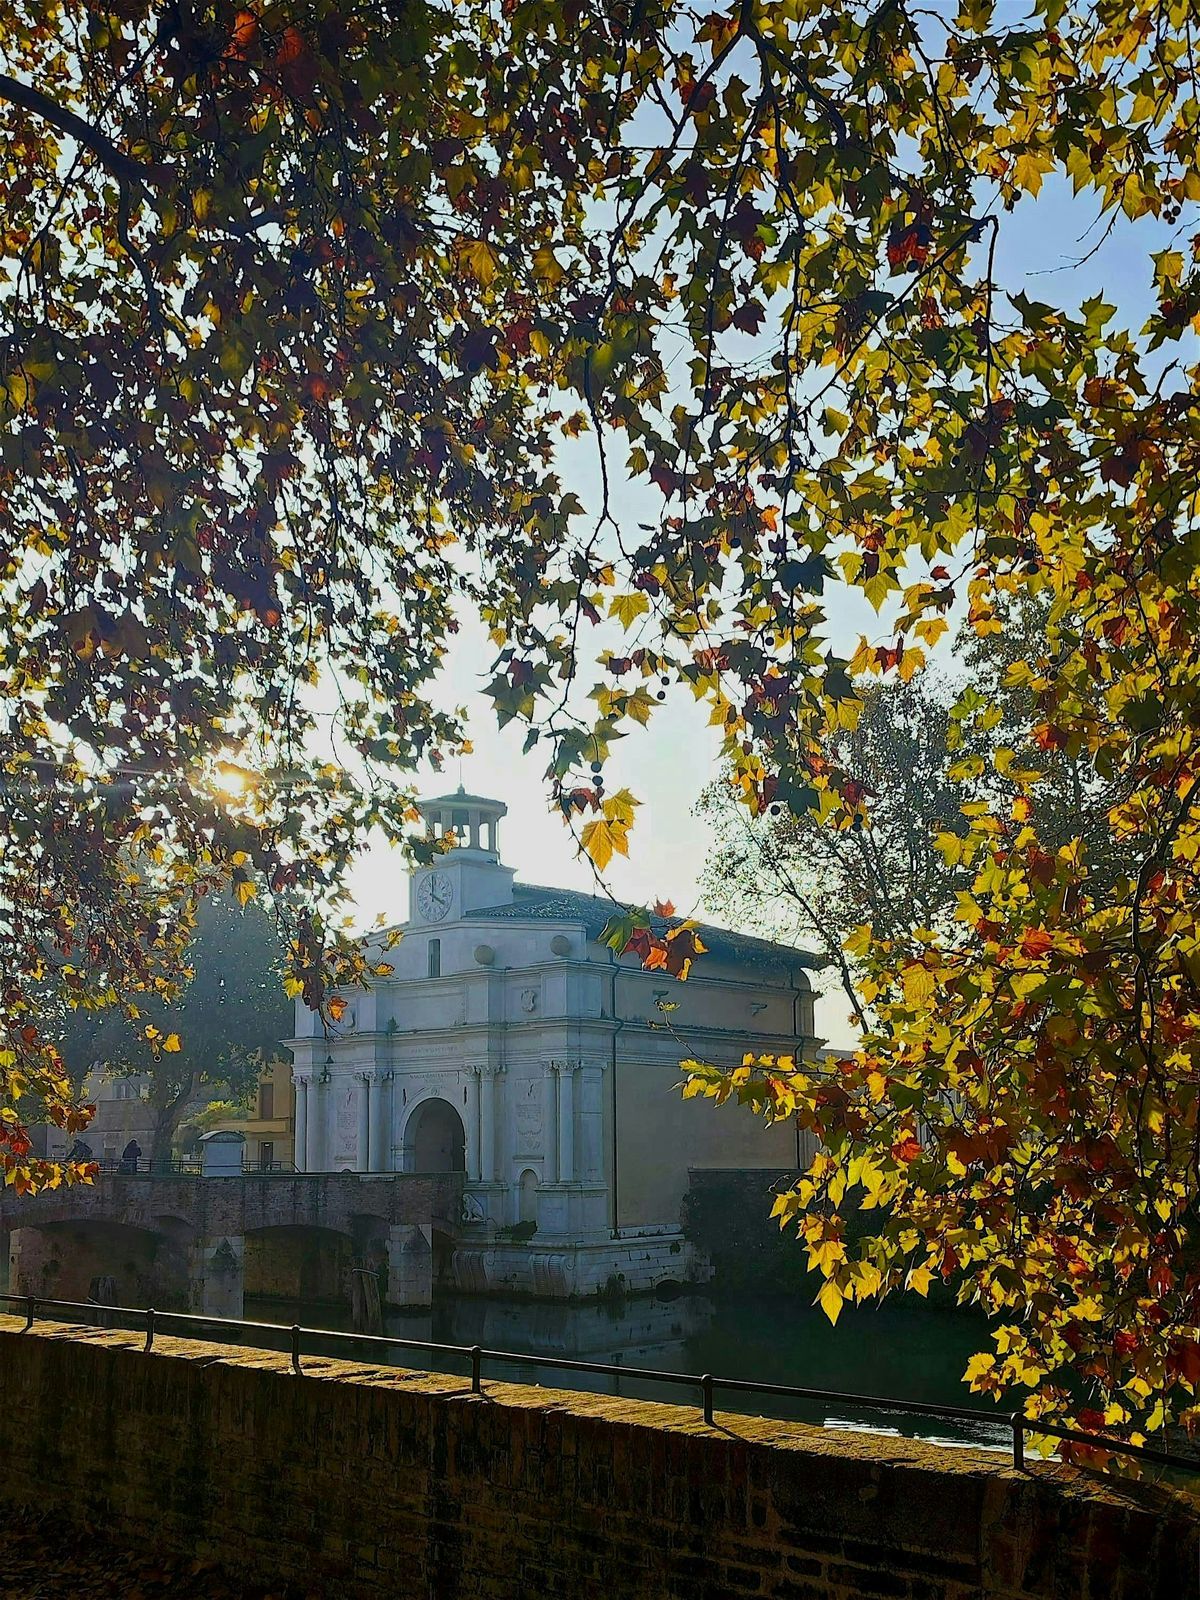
x=668, y=764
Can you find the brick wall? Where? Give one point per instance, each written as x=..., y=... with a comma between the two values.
x=364, y=1481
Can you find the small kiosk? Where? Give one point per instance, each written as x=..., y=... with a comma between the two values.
x=221, y=1153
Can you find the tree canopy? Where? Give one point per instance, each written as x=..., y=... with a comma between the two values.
x=298, y=305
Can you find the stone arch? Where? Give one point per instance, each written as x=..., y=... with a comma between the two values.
x=82, y=1258
x=435, y=1138
x=298, y=1262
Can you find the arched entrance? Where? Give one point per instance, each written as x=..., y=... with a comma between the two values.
x=435, y=1139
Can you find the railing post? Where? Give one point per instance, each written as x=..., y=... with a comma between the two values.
x=149, y=1328
x=1018, y=1428
x=476, y=1370
x=706, y=1391
x=30, y=1308
x=296, y=1368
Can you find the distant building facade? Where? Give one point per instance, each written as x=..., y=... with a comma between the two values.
x=269, y=1130
x=511, y=1045
x=123, y=1113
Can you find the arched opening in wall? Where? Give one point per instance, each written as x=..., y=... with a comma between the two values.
x=435, y=1139
x=297, y=1264
x=111, y=1263
x=527, y=1197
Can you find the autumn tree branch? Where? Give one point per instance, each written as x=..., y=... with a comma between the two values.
x=125, y=168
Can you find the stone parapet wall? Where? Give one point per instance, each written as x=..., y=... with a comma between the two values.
x=367, y=1481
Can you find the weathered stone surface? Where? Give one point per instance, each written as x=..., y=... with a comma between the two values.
x=212, y=1207
x=379, y=1482
x=200, y=1243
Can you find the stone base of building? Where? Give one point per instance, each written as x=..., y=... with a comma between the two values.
x=553, y=1269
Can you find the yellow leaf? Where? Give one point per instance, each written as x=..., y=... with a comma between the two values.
x=171, y=1043
x=830, y=1300
x=979, y=1370
x=546, y=268
x=1029, y=168
x=628, y=607
x=919, y=985
x=919, y=1279
x=479, y=259
x=601, y=837
x=619, y=807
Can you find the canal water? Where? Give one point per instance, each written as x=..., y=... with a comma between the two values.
x=902, y=1350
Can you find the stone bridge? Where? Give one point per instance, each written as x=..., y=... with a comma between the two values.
x=202, y=1244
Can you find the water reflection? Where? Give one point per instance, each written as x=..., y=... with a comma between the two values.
x=902, y=1351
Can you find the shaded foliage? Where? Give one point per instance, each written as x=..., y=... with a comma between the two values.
x=214, y=1035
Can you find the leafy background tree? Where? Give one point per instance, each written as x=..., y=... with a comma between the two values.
x=212, y=1038
x=916, y=753
x=809, y=882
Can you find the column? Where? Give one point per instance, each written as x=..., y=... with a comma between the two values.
x=362, y=1155
x=549, y=1123
x=566, y=1121
x=377, y=1126
x=591, y=1121
x=487, y=1124
x=312, y=1131
x=300, y=1084
x=474, y=1139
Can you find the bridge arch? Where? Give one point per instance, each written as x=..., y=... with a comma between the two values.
x=298, y=1262
x=116, y=1263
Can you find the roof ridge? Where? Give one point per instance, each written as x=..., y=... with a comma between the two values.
x=531, y=893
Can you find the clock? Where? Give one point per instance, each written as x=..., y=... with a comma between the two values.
x=434, y=895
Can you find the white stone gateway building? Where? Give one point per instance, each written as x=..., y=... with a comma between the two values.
x=511, y=1045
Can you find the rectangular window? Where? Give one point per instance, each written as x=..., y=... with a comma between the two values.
x=435, y=958
x=266, y=1100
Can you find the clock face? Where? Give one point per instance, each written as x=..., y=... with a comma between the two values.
x=434, y=894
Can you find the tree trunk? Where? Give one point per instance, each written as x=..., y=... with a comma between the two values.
x=166, y=1120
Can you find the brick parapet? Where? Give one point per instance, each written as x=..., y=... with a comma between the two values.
x=374, y=1481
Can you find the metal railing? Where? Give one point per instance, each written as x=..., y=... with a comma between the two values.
x=706, y=1383
x=178, y=1167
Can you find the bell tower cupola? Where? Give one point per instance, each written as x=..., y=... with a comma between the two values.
x=470, y=820
x=470, y=874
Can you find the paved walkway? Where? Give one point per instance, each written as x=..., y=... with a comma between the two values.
x=44, y=1563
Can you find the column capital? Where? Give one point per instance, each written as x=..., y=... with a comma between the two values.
x=565, y=1069
x=600, y=1064
x=487, y=1069
x=301, y=1080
